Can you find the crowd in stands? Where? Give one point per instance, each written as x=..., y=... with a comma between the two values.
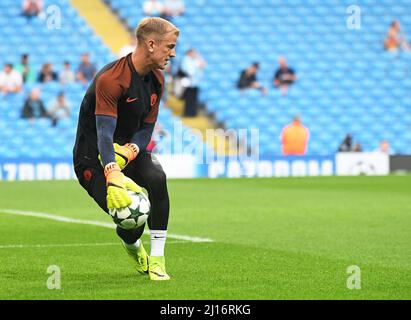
x=12, y=80
x=166, y=9
x=34, y=107
x=283, y=77
x=186, y=80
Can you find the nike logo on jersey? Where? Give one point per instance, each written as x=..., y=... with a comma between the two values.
x=131, y=100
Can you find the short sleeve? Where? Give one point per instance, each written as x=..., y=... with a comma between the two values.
x=108, y=93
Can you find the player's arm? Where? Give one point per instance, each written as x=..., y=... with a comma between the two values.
x=109, y=152
x=106, y=125
x=142, y=137
x=128, y=152
x=117, y=183
x=107, y=96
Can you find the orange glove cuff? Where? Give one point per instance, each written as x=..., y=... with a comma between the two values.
x=112, y=170
x=131, y=150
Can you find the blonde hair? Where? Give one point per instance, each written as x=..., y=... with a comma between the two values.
x=156, y=27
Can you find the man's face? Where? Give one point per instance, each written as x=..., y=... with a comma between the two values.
x=253, y=69
x=35, y=94
x=85, y=59
x=282, y=62
x=164, y=50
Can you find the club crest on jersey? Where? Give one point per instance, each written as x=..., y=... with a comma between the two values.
x=87, y=174
x=153, y=99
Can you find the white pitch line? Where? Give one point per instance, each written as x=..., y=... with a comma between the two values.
x=62, y=245
x=54, y=217
x=24, y=246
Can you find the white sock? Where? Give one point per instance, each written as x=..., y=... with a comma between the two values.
x=133, y=245
x=158, y=242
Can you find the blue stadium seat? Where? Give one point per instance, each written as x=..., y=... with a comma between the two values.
x=344, y=76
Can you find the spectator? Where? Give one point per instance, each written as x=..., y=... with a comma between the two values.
x=284, y=76
x=384, y=148
x=86, y=70
x=294, y=138
x=25, y=70
x=153, y=8
x=357, y=148
x=34, y=106
x=11, y=80
x=47, y=74
x=248, y=79
x=395, y=39
x=66, y=75
x=179, y=82
x=158, y=134
x=169, y=80
x=192, y=66
x=32, y=8
x=173, y=8
x=346, y=145
x=128, y=48
x=59, y=109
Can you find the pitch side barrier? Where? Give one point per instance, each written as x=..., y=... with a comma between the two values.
x=187, y=166
x=341, y=164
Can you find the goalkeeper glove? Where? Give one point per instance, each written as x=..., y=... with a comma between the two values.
x=117, y=186
x=123, y=155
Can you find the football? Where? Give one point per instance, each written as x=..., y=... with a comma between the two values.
x=135, y=215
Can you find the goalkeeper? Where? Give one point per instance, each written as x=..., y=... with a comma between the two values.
x=116, y=121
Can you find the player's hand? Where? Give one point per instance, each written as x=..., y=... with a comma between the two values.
x=125, y=154
x=117, y=186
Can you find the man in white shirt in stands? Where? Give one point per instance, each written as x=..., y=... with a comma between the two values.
x=153, y=8
x=11, y=80
x=128, y=48
x=192, y=66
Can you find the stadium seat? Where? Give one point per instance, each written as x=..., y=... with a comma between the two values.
x=344, y=76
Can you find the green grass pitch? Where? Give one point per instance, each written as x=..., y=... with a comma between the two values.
x=290, y=238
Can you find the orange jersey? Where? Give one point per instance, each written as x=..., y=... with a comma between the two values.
x=294, y=138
